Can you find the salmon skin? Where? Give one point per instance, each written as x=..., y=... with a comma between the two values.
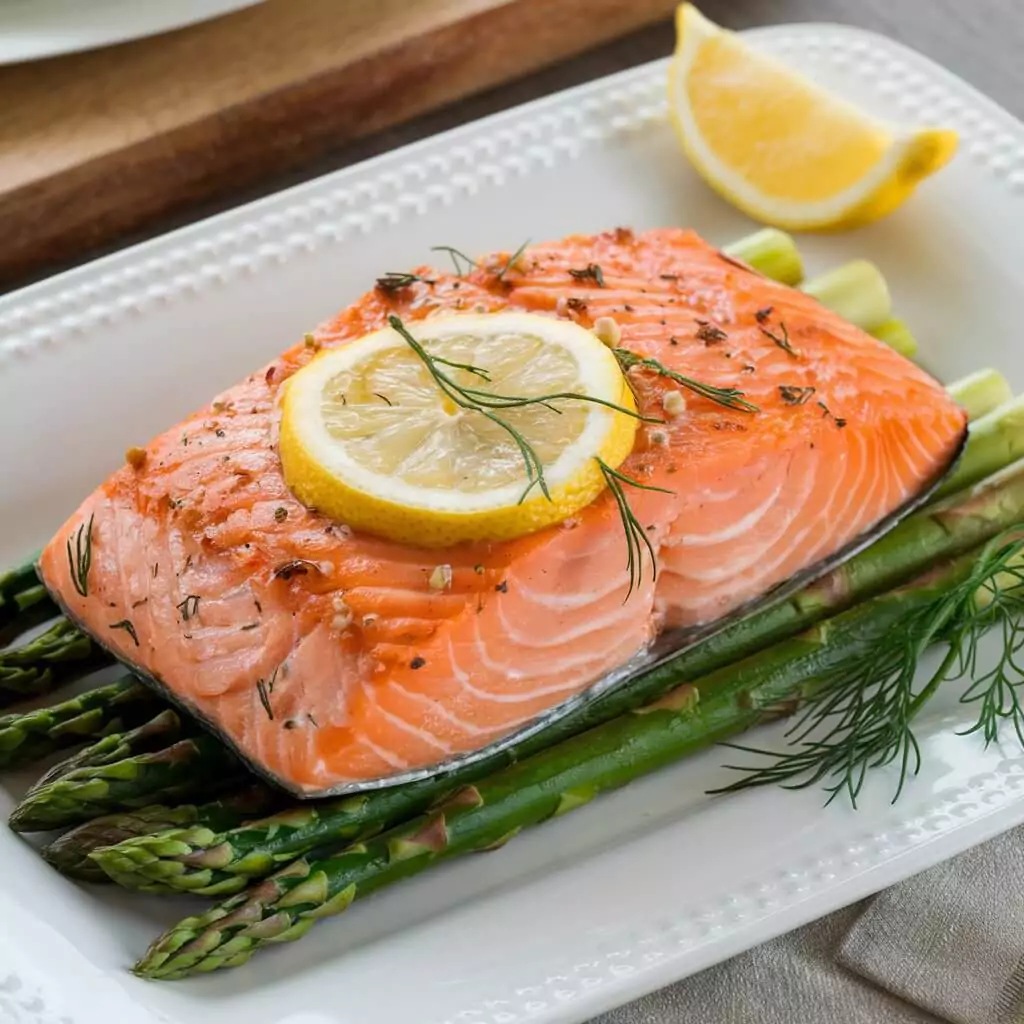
x=325, y=658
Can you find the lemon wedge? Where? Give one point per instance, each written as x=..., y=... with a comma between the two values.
x=369, y=436
x=780, y=147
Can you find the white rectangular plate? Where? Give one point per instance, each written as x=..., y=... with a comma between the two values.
x=640, y=888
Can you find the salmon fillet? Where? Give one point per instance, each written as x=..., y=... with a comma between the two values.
x=324, y=656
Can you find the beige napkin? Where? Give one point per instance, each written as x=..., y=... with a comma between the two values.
x=946, y=945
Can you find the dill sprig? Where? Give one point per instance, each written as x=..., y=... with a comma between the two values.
x=489, y=404
x=859, y=715
x=512, y=260
x=1000, y=600
x=128, y=627
x=80, y=559
x=782, y=340
x=636, y=535
x=462, y=263
x=731, y=398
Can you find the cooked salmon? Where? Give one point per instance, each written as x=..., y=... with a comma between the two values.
x=325, y=657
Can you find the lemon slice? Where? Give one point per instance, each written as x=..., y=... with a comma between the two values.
x=369, y=437
x=781, y=148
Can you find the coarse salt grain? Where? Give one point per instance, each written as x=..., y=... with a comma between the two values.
x=441, y=577
x=673, y=403
x=607, y=331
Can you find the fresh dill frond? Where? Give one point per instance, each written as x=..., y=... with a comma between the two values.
x=858, y=714
x=462, y=263
x=80, y=558
x=731, y=398
x=996, y=692
x=512, y=260
x=636, y=535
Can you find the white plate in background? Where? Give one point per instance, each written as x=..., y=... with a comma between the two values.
x=31, y=29
x=641, y=887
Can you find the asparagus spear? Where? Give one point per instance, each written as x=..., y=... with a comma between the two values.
x=994, y=440
x=13, y=584
x=896, y=334
x=770, y=252
x=160, y=731
x=857, y=291
x=61, y=653
x=25, y=610
x=208, y=862
x=69, y=853
x=478, y=817
x=31, y=735
x=193, y=766
x=981, y=392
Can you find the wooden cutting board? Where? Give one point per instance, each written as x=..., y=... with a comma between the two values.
x=95, y=144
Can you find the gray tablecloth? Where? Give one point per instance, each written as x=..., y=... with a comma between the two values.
x=946, y=945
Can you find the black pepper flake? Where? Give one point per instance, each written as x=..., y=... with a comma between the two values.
x=189, y=608
x=827, y=413
x=384, y=398
x=627, y=307
x=478, y=569
x=417, y=662
x=220, y=433
x=296, y=567
x=747, y=369
x=312, y=720
x=156, y=569
x=250, y=625
x=710, y=333
x=673, y=341
x=591, y=271
x=669, y=277
x=290, y=723
x=791, y=394
x=576, y=304
x=502, y=587
x=259, y=607
x=280, y=514
x=139, y=604
x=761, y=316
x=127, y=626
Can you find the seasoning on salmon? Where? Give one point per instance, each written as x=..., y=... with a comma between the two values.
x=331, y=659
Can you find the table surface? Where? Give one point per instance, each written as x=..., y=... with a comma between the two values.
x=980, y=40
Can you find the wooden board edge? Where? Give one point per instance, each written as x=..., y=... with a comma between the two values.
x=54, y=220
